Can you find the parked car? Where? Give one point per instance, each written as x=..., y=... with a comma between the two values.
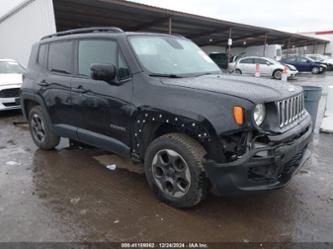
x=10, y=84
x=232, y=62
x=304, y=64
x=322, y=59
x=268, y=67
x=160, y=100
x=221, y=59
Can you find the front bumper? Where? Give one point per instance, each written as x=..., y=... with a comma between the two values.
x=7, y=104
x=252, y=172
x=292, y=74
x=10, y=101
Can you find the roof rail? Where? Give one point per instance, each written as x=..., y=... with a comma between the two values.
x=84, y=31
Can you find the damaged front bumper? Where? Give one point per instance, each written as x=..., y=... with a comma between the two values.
x=264, y=168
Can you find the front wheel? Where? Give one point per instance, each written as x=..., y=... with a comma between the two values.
x=315, y=70
x=277, y=74
x=174, y=170
x=41, y=131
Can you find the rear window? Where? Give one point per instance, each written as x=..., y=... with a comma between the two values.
x=260, y=61
x=247, y=61
x=42, y=55
x=60, y=59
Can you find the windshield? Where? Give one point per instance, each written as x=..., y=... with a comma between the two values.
x=167, y=55
x=11, y=67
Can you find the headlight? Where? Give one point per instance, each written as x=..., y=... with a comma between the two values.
x=259, y=114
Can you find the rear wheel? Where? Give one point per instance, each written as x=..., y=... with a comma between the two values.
x=40, y=129
x=239, y=72
x=315, y=70
x=174, y=170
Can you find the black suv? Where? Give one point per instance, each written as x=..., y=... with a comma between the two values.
x=160, y=100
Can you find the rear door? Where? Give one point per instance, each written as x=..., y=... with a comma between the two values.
x=104, y=109
x=247, y=66
x=55, y=83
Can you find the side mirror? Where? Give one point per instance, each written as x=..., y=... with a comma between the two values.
x=268, y=63
x=105, y=72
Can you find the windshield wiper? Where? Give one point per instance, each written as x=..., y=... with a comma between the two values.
x=165, y=75
x=202, y=74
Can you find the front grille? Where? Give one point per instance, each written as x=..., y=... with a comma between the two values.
x=11, y=104
x=10, y=93
x=290, y=110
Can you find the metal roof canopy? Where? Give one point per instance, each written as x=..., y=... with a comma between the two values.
x=131, y=16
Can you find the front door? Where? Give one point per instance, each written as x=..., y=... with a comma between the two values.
x=304, y=64
x=265, y=67
x=104, y=109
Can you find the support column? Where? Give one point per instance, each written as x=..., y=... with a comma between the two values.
x=325, y=46
x=229, y=46
x=170, y=25
x=288, y=48
x=265, y=42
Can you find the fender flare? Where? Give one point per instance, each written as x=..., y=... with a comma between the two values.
x=36, y=98
x=198, y=126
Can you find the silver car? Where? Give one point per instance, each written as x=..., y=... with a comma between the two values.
x=10, y=83
x=268, y=67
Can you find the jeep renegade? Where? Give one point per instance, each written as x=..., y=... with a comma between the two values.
x=160, y=100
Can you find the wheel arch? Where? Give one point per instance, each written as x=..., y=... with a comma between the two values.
x=28, y=101
x=275, y=70
x=151, y=124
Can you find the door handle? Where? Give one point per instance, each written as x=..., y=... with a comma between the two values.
x=44, y=83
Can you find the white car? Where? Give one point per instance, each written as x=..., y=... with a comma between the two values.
x=268, y=67
x=10, y=83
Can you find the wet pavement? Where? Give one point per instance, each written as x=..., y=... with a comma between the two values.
x=70, y=195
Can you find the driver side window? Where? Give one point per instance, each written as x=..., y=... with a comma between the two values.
x=303, y=60
x=101, y=52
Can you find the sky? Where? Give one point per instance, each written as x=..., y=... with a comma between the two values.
x=286, y=15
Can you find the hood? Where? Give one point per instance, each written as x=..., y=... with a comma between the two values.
x=291, y=67
x=329, y=60
x=253, y=89
x=10, y=79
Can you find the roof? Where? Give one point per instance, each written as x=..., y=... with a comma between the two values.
x=202, y=30
x=129, y=16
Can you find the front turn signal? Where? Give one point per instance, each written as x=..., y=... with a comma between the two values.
x=238, y=115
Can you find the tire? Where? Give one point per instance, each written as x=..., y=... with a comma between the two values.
x=40, y=129
x=277, y=74
x=164, y=176
x=239, y=72
x=315, y=70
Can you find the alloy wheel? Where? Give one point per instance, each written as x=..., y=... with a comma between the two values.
x=38, y=128
x=171, y=173
x=278, y=75
x=315, y=70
